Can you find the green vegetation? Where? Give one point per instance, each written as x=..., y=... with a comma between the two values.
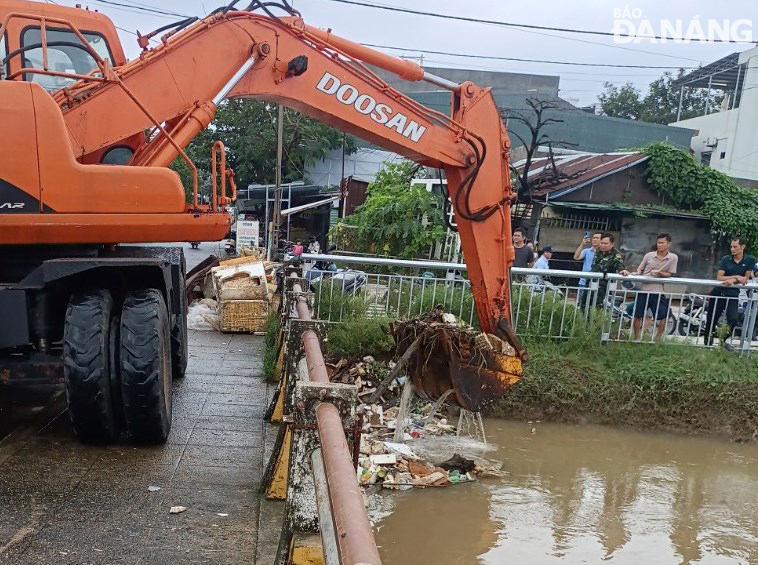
x=661, y=102
x=397, y=219
x=335, y=305
x=551, y=315
x=248, y=129
x=360, y=337
x=668, y=387
x=272, y=328
x=689, y=185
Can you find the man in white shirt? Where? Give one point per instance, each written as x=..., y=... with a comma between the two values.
x=542, y=263
x=659, y=263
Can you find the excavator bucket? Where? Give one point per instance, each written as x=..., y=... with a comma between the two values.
x=478, y=368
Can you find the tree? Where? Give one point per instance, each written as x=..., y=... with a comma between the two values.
x=248, y=129
x=660, y=104
x=397, y=218
x=542, y=114
x=621, y=102
x=687, y=184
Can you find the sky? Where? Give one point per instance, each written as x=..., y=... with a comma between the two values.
x=414, y=33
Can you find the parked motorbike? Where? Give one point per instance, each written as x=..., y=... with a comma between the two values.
x=345, y=280
x=693, y=316
x=622, y=308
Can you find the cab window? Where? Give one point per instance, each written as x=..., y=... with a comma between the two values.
x=61, y=58
x=3, y=53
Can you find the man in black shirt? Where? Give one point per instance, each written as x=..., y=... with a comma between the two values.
x=734, y=269
x=524, y=254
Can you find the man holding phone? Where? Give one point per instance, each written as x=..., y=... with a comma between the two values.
x=586, y=253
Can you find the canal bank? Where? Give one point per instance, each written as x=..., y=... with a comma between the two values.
x=655, y=387
x=666, y=387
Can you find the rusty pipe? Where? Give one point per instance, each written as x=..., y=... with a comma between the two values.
x=354, y=534
x=355, y=537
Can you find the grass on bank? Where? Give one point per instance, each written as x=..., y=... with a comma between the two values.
x=670, y=387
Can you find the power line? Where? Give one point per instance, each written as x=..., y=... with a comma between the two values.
x=139, y=8
x=604, y=80
x=518, y=59
x=590, y=42
x=530, y=26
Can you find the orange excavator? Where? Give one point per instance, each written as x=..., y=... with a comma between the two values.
x=87, y=137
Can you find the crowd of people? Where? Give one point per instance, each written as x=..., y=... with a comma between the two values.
x=598, y=254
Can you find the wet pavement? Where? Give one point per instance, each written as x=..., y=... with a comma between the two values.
x=63, y=502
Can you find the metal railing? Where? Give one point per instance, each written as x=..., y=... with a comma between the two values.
x=355, y=292
x=551, y=303
x=545, y=303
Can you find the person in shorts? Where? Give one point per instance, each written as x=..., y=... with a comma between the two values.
x=661, y=263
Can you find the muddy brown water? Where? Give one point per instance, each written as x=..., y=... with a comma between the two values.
x=583, y=494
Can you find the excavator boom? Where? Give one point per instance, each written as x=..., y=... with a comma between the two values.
x=173, y=90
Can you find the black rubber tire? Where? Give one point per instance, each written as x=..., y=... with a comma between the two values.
x=87, y=366
x=115, y=377
x=179, y=346
x=145, y=366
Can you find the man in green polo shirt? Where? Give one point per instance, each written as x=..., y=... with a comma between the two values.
x=734, y=269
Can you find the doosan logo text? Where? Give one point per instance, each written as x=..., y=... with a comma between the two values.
x=367, y=105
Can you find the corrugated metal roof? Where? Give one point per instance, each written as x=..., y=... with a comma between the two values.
x=576, y=171
x=638, y=210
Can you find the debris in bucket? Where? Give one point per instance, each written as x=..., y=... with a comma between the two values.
x=441, y=354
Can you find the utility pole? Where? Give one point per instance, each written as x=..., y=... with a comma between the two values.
x=277, y=208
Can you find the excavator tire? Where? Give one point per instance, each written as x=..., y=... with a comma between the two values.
x=179, y=348
x=87, y=366
x=145, y=366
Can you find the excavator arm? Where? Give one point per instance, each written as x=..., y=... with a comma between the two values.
x=175, y=88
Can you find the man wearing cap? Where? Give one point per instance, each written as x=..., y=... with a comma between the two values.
x=542, y=263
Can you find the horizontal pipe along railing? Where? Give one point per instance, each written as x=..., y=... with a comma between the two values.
x=545, y=303
x=355, y=538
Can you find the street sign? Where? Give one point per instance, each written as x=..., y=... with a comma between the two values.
x=247, y=234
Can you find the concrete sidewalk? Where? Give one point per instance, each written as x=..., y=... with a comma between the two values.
x=66, y=503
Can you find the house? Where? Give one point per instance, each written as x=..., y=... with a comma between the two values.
x=726, y=137
x=579, y=192
x=574, y=128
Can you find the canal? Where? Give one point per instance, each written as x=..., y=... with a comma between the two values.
x=583, y=494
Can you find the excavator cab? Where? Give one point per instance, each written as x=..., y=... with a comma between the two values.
x=21, y=44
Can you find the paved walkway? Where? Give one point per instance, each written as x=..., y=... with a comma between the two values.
x=66, y=503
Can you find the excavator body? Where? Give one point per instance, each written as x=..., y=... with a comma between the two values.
x=84, y=170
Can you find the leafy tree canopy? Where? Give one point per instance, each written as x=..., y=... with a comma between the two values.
x=659, y=105
x=397, y=219
x=248, y=130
